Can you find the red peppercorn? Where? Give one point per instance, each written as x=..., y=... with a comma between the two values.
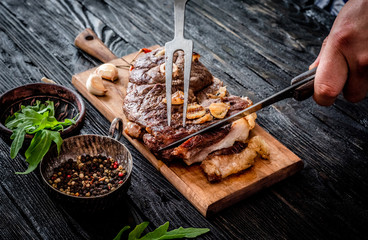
x=115, y=166
x=121, y=181
x=68, y=176
x=121, y=174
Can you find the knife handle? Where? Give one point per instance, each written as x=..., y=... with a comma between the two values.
x=88, y=41
x=306, y=90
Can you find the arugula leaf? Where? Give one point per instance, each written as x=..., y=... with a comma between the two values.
x=161, y=232
x=137, y=231
x=118, y=237
x=157, y=233
x=55, y=136
x=39, y=120
x=40, y=145
x=187, y=232
x=18, y=136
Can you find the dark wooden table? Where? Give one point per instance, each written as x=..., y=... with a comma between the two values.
x=255, y=47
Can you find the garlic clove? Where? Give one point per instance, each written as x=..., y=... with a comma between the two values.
x=107, y=71
x=95, y=85
x=219, y=110
x=206, y=118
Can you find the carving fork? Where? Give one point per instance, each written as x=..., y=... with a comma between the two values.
x=178, y=43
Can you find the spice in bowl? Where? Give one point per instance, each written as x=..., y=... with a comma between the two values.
x=88, y=176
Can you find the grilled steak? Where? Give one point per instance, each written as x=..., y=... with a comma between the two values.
x=145, y=106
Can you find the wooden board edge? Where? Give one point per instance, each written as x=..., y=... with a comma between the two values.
x=181, y=186
x=253, y=188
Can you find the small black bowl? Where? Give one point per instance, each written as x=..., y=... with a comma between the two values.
x=67, y=105
x=93, y=145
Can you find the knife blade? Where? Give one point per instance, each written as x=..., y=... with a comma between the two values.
x=301, y=88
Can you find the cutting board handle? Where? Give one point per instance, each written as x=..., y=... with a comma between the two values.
x=88, y=41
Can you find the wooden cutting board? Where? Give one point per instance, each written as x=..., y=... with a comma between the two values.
x=208, y=198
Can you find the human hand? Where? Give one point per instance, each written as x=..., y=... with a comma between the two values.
x=343, y=59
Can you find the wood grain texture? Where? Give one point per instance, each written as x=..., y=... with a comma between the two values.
x=255, y=47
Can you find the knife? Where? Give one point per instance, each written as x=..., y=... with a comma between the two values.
x=301, y=88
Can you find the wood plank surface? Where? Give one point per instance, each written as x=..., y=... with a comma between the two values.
x=270, y=40
x=207, y=197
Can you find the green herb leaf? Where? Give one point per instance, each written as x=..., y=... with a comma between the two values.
x=161, y=233
x=40, y=145
x=18, y=136
x=187, y=232
x=39, y=120
x=157, y=233
x=137, y=231
x=118, y=237
x=55, y=136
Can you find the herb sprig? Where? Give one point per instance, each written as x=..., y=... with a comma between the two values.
x=39, y=120
x=161, y=232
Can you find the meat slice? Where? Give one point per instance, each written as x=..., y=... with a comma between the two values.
x=197, y=148
x=222, y=166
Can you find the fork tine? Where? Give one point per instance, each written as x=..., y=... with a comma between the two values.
x=187, y=69
x=168, y=73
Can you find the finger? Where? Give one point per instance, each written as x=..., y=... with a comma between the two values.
x=316, y=62
x=331, y=76
x=356, y=87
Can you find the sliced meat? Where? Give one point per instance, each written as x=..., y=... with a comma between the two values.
x=221, y=166
x=196, y=149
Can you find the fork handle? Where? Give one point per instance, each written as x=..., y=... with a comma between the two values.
x=179, y=13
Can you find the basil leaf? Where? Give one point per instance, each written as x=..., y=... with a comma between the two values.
x=137, y=231
x=118, y=237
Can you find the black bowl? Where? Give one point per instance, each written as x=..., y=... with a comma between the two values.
x=67, y=104
x=93, y=145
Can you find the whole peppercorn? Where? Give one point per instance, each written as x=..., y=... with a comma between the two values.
x=87, y=176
